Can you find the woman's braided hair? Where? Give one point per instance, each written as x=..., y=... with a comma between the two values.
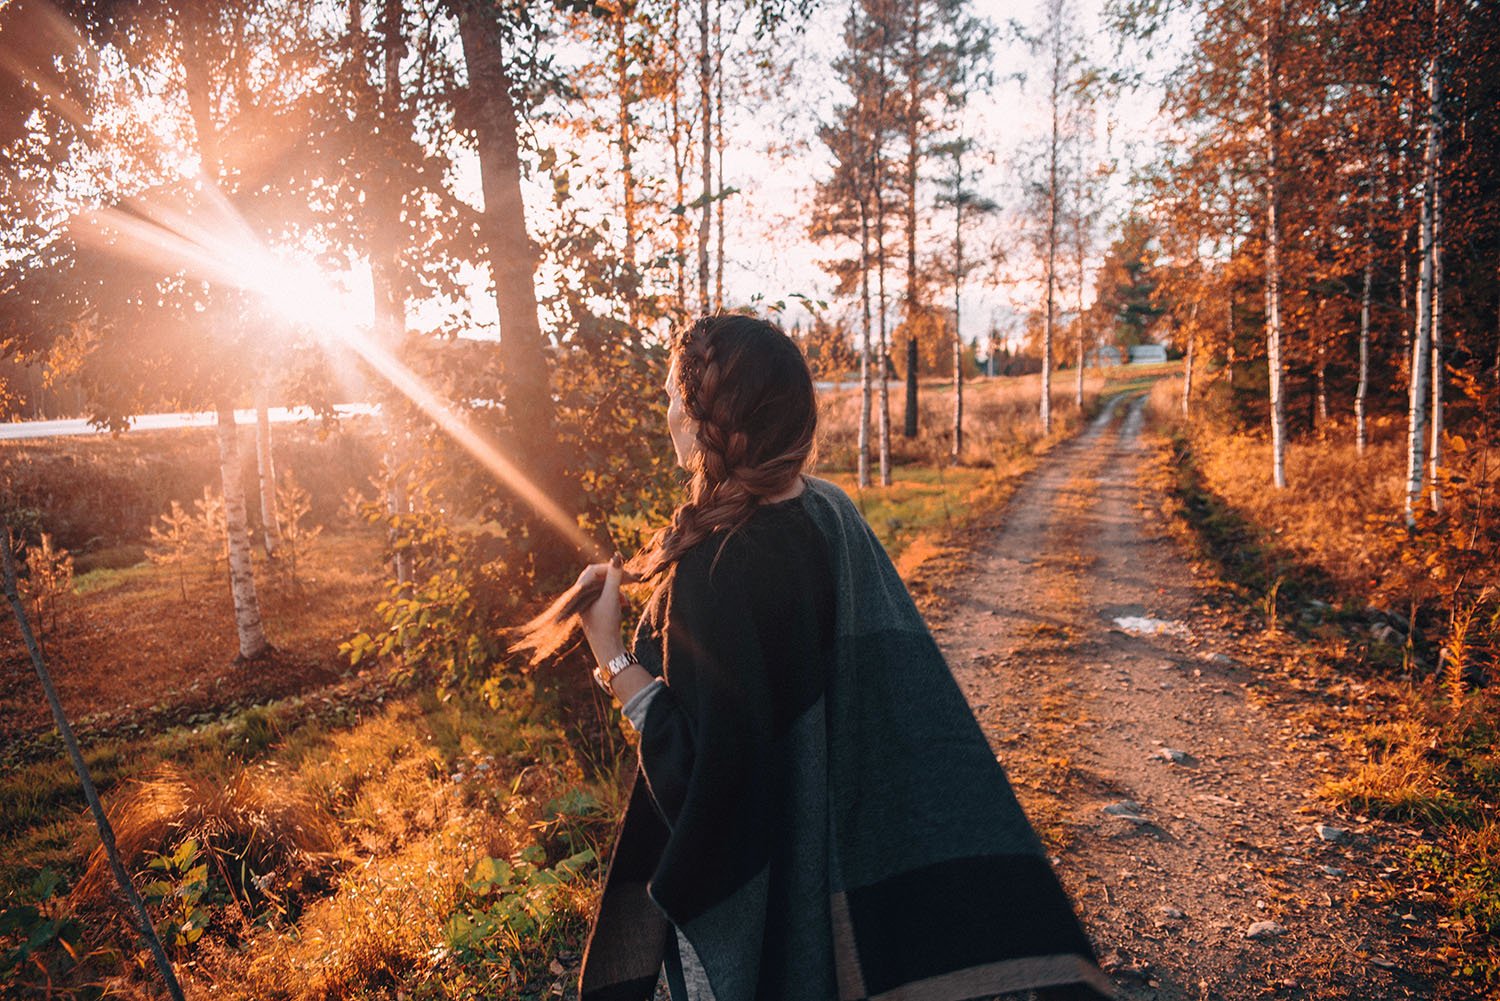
x=748, y=389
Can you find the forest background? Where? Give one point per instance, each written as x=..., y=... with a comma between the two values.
x=234, y=205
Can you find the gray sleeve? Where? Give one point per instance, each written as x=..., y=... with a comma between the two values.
x=635, y=708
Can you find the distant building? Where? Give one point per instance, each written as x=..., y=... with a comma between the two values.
x=1104, y=356
x=1148, y=354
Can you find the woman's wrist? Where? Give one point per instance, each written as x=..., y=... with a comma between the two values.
x=629, y=682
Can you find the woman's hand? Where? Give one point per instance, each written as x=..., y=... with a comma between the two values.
x=601, y=620
x=601, y=625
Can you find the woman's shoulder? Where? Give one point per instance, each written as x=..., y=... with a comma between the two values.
x=777, y=541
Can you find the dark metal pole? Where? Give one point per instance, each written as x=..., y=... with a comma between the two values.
x=106, y=833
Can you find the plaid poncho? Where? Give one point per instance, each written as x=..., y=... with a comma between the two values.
x=816, y=808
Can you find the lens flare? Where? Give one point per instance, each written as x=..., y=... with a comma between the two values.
x=213, y=243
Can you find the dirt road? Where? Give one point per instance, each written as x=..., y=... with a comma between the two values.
x=1166, y=764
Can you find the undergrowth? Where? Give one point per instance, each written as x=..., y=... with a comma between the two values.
x=1409, y=610
x=336, y=860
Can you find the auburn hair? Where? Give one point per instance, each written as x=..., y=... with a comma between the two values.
x=747, y=388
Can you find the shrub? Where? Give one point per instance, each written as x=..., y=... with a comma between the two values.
x=171, y=543
x=264, y=841
x=292, y=505
x=49, y=577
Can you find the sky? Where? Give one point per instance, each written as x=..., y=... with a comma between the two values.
x=775, y=160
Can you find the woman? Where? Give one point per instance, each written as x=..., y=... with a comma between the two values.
x=817, y=814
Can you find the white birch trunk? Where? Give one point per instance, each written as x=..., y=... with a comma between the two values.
x=247, y=622
x=1322, y=380
x=884, y=364
x=958, y=338
x=1082, y=357
x=885, y=389
x=1052, y=197
x=681, y=137
x=1187, y=370
x=864, y=350
x=1362, y=394
x=627, y=168
x=1435, y=252
x=1079, y=252
x=705, y=94
x=1421, y=353
x=1273, y=250
x=719, y=152
x=266, y=465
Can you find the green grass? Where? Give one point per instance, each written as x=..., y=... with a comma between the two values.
x=920, y=499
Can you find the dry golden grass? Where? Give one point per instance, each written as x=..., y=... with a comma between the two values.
x=1000, y=418
x=336, y=861
x=259, y=818
x=1339, y=506
x=1428, y=752
x=1398, y=776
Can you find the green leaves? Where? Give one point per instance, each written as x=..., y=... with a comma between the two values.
x=180, y=893
x=508, y=906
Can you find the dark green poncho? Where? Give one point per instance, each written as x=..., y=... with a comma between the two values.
x=816, y=808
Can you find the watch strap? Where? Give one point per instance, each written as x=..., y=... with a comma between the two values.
x=605, y=674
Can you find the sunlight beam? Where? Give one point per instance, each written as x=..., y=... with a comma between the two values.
x=168, y=240
x=218, y=246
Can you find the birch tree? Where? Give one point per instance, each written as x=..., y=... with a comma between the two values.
x=198, y=30
x=850, y=204
x=1427, y=344
x=1058, y=44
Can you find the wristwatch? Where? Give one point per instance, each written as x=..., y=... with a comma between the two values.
x=605, y=674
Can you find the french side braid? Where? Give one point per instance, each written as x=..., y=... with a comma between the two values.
x=748, y=388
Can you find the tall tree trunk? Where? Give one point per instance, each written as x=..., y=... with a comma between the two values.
x=719, y=155
x=913, y=124
x=1408, y=321
x=1082, y=348
x=1271, y=121
x=884, y=362
x=1361, y=395
x=884, y=427
x=1229, y=352
x=1048, y=330
x=252, y=634
x=386, y=284
x=1435, y=252
x=1322, y=381
x=1187, y=374
x=1187, y=367
x=864, y=351
x=527, y=384
x=266, y=466
x=680, y=142
x=1422, y=353
x=1079, y=252
x=705, y=94
x=627, y=175
x=958, y=339
x=1230, y=358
